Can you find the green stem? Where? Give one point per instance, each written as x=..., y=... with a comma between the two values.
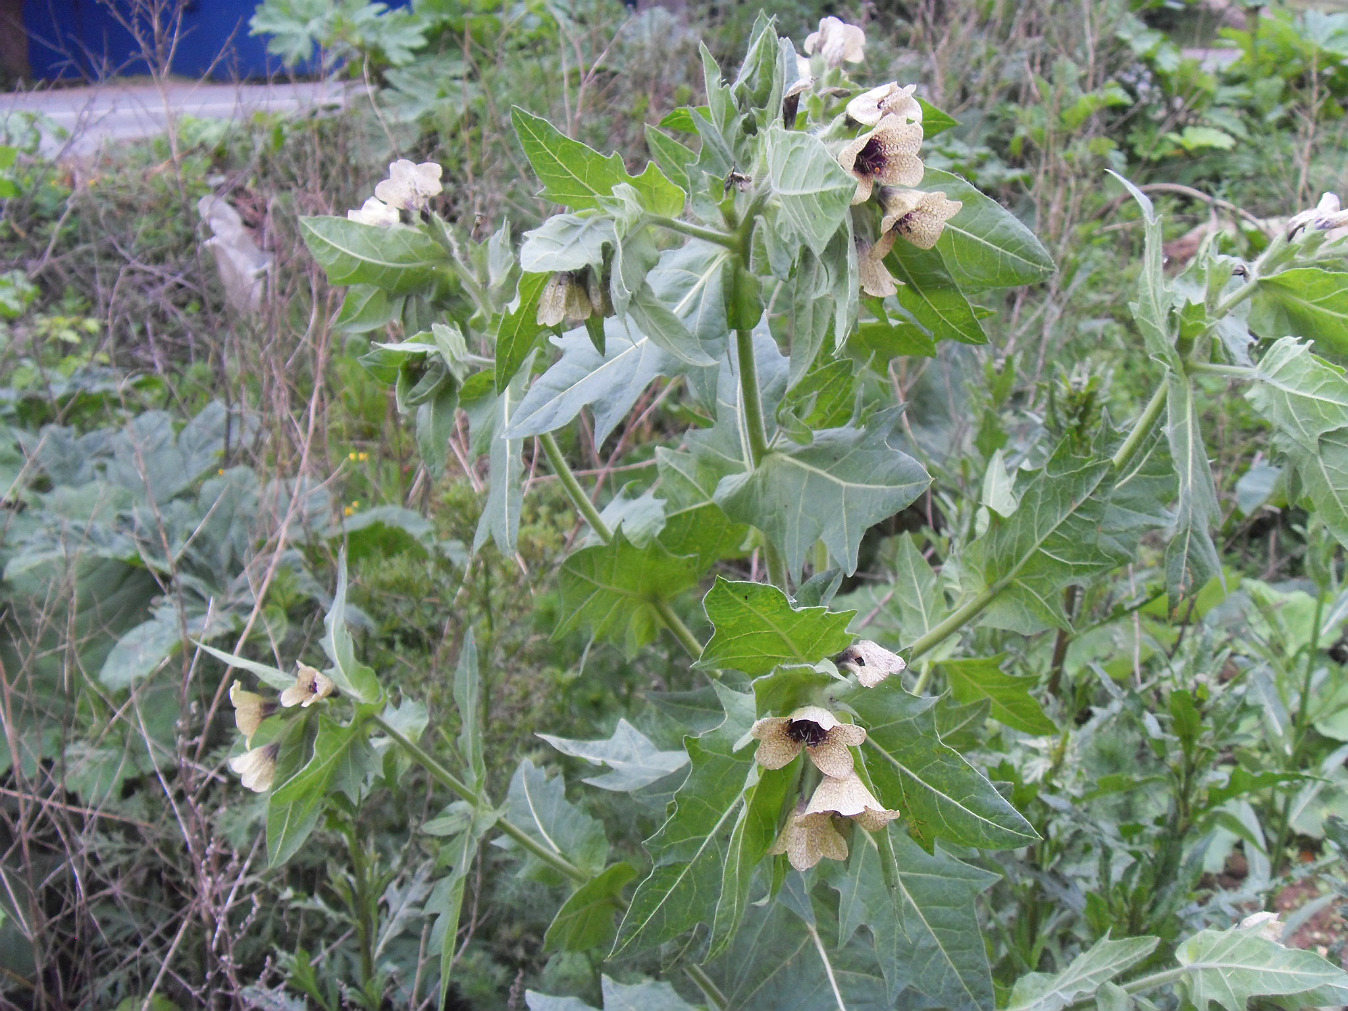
x=586, y=508
x=1299, y=727
x=750, y=398
x=573, y=489
x=1140, y=430
x=1213, y=369
x=708, y=987
x=446, y=778
x=727, y=239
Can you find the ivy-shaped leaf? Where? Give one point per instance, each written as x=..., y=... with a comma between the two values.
x=1299, y=393
x=632, y=759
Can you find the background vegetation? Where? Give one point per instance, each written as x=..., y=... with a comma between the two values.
x=176, y=470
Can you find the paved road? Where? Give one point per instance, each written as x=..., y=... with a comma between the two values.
x=77, y=121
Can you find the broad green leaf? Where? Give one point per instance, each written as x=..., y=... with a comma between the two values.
x=1229, y=967
x=999, y=487
x=1051, y=541
x=353, y=678
x=517, y=333
x=942, y=794
x=1304, y=302
x=654, y=318
x=609, y=383
x=468, y=700
x=1299, y=393
x=632, y=759
x=270, y=676
x=139, y=652
x=985, y=245
x=436, y=420
x=1105, y=959
x=688, y=279
x=1324, y=477
x=862, y=477
x=397, y=259
x=875, y=342
x=1136, y=502
x=640, y=517
x=1191, y=557
x=1012, y=702
x=806, y=310
x=586, y=919
x=757, y=629
x=339, y=757
x=1155, y=295
x=705, y=532
x=921, y=604
x=644, y=996
x=691, y=850
x=813, y=191
x=672, y=156
x=538, y=805
x=927, y=290
x=576, y=175
x=753, y=834
x=536, y=1001
x=925, y=927
x=566, y=242
x=492, y=417
x=365, y=308
x=824, y=398
x=615, y=589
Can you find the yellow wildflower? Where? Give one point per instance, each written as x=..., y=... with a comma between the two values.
x=310, y=686
x=812, y=729
x=257, y=768
x=807, y=838
x=886, y=154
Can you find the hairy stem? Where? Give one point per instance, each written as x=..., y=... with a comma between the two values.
x=727, y=239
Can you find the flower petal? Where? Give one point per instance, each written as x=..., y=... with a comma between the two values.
x=846, y=795
x=257, y=768
x=831, y=757
x=776, y=748
x=808, y=838
x=869, y=661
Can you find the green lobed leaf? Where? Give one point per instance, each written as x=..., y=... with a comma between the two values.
x=1324, y=478
x=567, y=242
x=586, y=919
x=293, y=809
x=932, y=784
x=813, y=191
x=365, y=308
x=576, y=175
x=397, y=259
x=610, y=383
x=654, y=318
x=538, y=805
x=672, y=156
x=757, y=629
x=688, y=279
x=614, y=590
x=647, y=995
x=1230, y=967
x=140, y=651
x=984, y=245
x=807, y=310
x=862, y=477
x=1155, y=296
x=1084, y=975
x=518, y=330
x=925, y=927
x=705, y=532
x=690, y=852
x=632, y=759
x=436, y=420
x=927, y=290
x=1191, y=557
x=1010, y=696
x=1299, y=393
x=353, y=678
x=1051, y=541
x=1305, y=302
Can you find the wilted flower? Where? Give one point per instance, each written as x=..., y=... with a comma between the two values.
x=837, y=42
x=815, y=730
x=409, y=186
x=310, y=686
x=257, y=768
x=375, y=212
x=848, y=796
x=869, y=661
x=919, y=217
x=1325, y=216
x=791, y=97
x=870, y=107
x=564, y=297
x=876, y=280
x=250, y=709
x=807, y=838
x=886, y=155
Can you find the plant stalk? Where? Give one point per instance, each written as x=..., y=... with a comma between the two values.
x=446, y=778
x=727, y=239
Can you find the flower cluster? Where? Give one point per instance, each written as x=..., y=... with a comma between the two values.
x=408, y=187
x=811, y=831
x=257, y=766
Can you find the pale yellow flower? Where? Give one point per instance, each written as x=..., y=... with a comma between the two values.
x=837, y=42
x=869, y=661
x=918, y=216
x=848, y=796
x=876, y=280
x=817, y=731
x=565, y=297
x=1326, y=216
x=310, y=686
x=250, y=709
x=410, y=186
x=886, y=155
x=807, y=838
x=375, y=212
x=257, y=768
x=870, y=107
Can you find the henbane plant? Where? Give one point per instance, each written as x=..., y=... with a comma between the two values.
x=776, y=266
